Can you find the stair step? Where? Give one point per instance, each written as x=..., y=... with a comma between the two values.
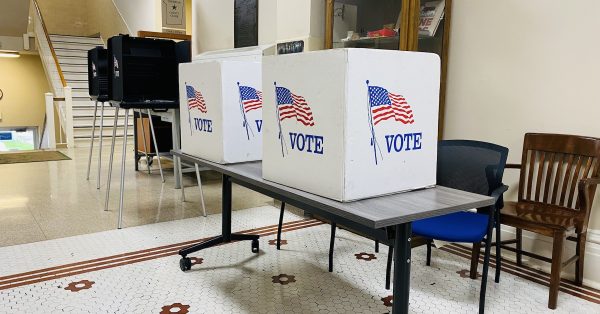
x=74, y=39
x=70, y=53
x=80, y=122
x=75, y=46
x=75, y=77
x=80, y=68
x=89, y=111
x=78, y=84
x=72, y=61
x=107, y=132
x=80, y=94
x=85, y=142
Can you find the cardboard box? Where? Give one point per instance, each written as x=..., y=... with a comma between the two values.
x=221, y=110
x=350, y=124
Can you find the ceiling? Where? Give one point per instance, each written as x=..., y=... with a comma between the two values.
x=14, y=17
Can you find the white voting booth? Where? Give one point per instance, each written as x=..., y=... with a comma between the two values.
x=350, y=124
x=221, y=105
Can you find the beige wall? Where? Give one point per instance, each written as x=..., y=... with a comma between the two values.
x=523, y=66
x=188, y=17
x=279, y=21
x=82, y=17
x=68, y=17
x=108, y=23
x=24, y=83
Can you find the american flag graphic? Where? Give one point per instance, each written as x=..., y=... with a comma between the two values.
x=251, y=98
x=386, y=105
x=195, y=99
x=293, y=106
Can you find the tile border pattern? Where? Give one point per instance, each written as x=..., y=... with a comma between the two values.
x=71, y=269
x=66, y=270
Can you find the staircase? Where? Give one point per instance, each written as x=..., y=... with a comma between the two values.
x=71, y=52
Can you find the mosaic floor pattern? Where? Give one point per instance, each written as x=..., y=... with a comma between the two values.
x=135, y=270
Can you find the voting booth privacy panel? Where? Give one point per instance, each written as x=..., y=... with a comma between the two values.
x=221, y=105
x=142, y=70
x=98, y=73
x=349, y=124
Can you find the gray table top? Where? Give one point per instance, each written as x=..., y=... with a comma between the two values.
x=376, y=212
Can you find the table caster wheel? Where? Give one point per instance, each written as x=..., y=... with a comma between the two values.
x=254, y=246
x=185, y=264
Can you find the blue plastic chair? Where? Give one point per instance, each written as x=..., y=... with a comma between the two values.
x=475, y=167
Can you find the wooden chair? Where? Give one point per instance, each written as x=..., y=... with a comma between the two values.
x=558, y=179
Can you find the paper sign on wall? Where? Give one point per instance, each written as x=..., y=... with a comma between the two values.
x=173, y=16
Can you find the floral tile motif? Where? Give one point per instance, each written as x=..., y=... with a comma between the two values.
x=365, y=256
x=274, y=242
x=283, y=279
x=79, y=285
x=388, y=301
x=196, y=260
x=175, y=308
x=465, y=273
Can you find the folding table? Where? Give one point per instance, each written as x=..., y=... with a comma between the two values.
x=370, y=215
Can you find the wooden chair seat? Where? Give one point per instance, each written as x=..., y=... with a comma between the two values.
x=538, y=217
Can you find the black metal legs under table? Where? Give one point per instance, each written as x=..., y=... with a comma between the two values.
x=226, y=236
x=402, y=260
x=280, y=225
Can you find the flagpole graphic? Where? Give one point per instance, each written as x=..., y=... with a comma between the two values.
x=245, y=122
x=384, y=105
x=189, y=114
x=279, y=122
x=374, y=142
x=195, y=100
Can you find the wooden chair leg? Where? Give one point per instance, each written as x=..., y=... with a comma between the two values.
x=519, y=246
x=580, y=251
x=475, y=259
x=331, y=243
x=388, y=270
x=557, y=250
x=428, y=262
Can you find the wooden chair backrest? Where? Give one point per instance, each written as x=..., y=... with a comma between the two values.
x=553, y=164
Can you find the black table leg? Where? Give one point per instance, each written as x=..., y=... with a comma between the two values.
x=226, y=235
x=136, y=154
x=402, y=268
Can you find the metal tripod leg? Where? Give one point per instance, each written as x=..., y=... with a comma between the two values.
x=200, y=187
x=156, y=146
x=92, y=140
x=100, y=145
x=144, y=140
x=112, y=154
x=122, y=188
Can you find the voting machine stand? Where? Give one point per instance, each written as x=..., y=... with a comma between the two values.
x=98, y=90
x=142, y=77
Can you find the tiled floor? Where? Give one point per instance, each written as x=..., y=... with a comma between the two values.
x=49, y=200
x=83, y=264
x=135, y=270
